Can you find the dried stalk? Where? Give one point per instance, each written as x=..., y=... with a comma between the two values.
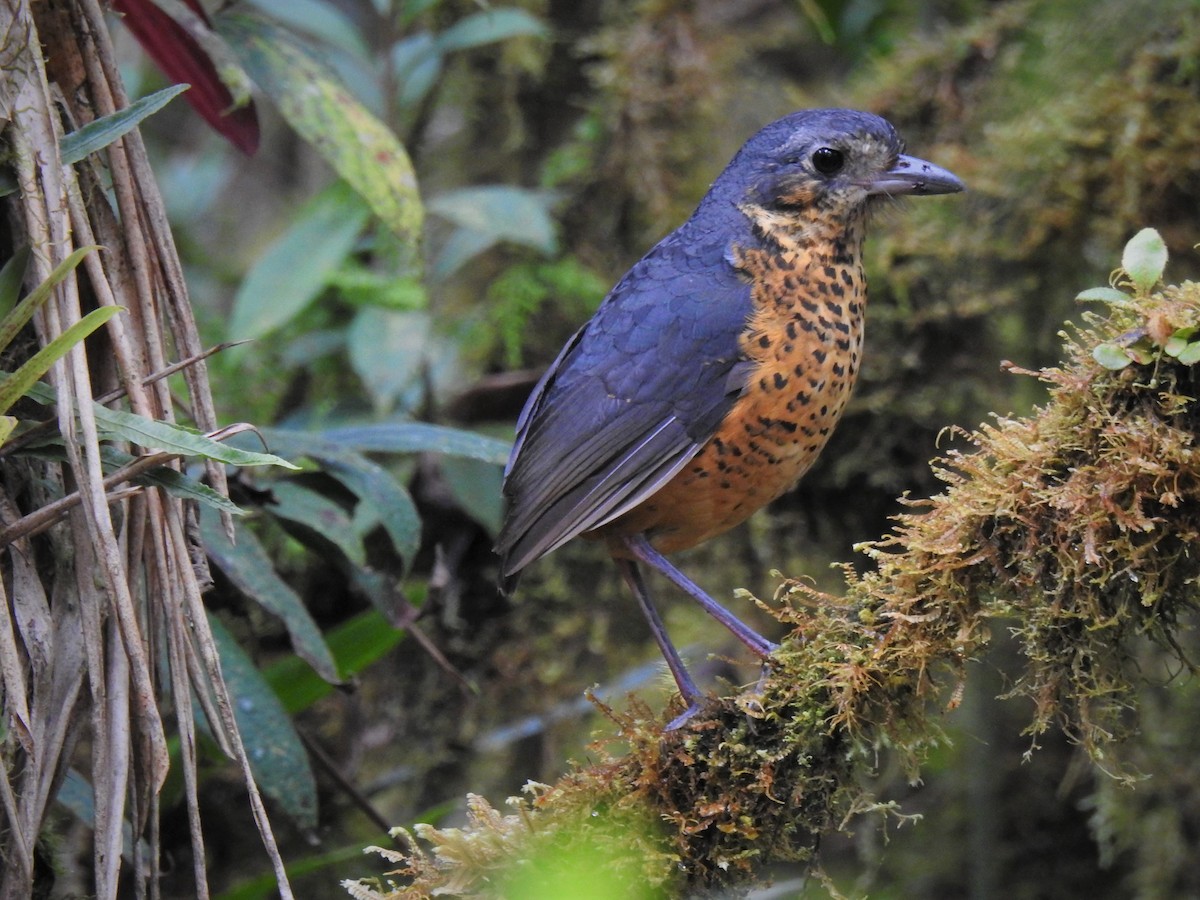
x=81, y=637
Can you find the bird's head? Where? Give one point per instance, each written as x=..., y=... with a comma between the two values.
x=828, y=160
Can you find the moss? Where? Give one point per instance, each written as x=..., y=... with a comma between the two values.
x=1079, y=524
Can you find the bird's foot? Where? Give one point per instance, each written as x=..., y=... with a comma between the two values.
x=763, y=675
x=683, y=718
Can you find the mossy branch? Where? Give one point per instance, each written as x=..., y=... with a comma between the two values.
x=1078, y=526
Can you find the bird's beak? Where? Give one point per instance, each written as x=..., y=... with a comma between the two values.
x=914, y=176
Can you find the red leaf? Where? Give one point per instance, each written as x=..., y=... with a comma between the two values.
x=184, y=61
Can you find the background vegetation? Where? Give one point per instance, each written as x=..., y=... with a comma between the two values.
x=540, y=147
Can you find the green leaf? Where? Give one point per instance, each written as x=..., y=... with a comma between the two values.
x=77, y=795
x=1111, y=356
x=1145, y=258
x=315, y=103
x=247, y=565
x=7, y=424
x=505, y=212
x=294, y=269
x=181, y=485
x=366, y=287
x=19, y=317
x=308, y=508
x=266, y=887
x=417, y=63
x=477, y=488
x=488, y=27
x=165, y=436
x=410, y=9
x=11, y=278
x=462, y=245
x=97, y=135
x=419, y=437
x=172, y=481
x=1190, y=355
x=355, y=644
x=277, y=757
x=16, y=385
x=1104, y=295
x=1179, y=341
x=374, y=486
x=319, y=19
x=385, y=349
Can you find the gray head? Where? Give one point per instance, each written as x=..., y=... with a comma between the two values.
x=830, y=159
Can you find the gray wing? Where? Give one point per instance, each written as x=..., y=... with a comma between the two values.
x=631, y=398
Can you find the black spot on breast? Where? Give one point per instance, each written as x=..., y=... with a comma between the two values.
x=780, y=381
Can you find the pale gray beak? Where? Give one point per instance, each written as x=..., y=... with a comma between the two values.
x=914, y=176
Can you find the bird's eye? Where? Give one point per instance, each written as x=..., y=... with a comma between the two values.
x=828, y=161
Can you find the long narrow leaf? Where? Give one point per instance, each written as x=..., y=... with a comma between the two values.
x=488, y=27
x=77, y=795
x=11, y=277
x=316, y=512
x=15, y=385
x=97, y=135
x=355, y=644
x=293, y=270
x=250, y=569
x=418, y=437
x=172, y=481
x=165, y=436
x=20, y=316
x=315, y=103
x=178, y=37
x=277, y=756
x=372, y=484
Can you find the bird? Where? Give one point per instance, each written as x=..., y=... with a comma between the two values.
x=712, y=374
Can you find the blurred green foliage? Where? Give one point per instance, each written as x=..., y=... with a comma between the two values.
x=546, y=146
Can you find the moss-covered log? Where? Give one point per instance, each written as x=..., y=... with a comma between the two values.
x=1078, y=526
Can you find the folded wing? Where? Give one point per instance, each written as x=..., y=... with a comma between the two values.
x=632, y=397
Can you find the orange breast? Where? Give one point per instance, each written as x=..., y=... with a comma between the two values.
x=806, y=338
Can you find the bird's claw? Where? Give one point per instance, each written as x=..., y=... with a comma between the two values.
x=683, y=718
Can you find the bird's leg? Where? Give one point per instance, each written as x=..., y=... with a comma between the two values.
x=687, y=687
x=640, y=549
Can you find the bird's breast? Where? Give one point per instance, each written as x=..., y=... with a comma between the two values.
x=804, y=341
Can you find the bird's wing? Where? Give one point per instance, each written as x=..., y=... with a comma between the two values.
x=630, y=399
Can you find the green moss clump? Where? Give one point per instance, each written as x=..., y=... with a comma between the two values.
x=1079, y=524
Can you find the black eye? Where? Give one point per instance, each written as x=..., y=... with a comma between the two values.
x=827, y=161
